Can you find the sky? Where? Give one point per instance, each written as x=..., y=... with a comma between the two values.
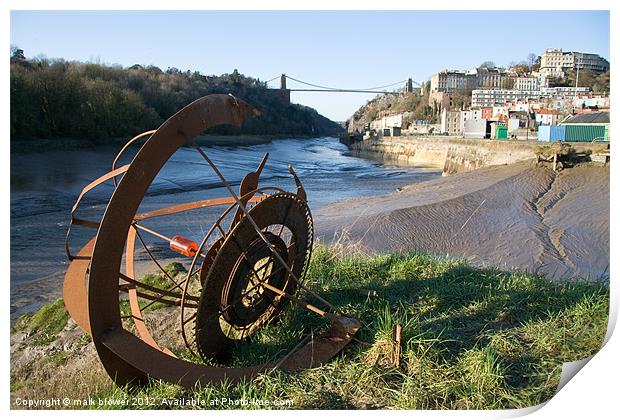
x=346, y=49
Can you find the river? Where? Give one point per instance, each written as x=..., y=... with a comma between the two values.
x=45, y=185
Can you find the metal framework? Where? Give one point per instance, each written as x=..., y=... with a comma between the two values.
x=247, y=267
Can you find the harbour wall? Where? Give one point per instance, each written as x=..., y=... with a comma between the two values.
x=454, y=154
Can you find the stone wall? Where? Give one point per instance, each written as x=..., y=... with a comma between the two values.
x=453, y=154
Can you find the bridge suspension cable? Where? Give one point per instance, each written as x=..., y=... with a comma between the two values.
x=342, y=89
x=271, y=80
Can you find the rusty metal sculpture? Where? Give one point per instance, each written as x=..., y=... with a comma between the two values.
x=240, y=276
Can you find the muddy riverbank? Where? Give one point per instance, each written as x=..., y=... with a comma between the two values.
x=522, y=216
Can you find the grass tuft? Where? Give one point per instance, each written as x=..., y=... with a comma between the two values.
x=45, y=324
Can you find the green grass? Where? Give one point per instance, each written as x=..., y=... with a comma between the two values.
x=45, y=324
x=159, y=280
x=472, y=339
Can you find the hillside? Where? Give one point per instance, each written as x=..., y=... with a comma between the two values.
x=56, y=99
x=415, y=103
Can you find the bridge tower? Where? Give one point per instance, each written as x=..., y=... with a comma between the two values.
x=283, y=93
x=409, y=86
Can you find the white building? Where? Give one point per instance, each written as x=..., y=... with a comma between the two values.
x=388, y=121
x=451, y=122
x=594, y=102
x=452, y=80
x=527, y=83
x=520, y=106
x=481, y=77
x=554, y=62
x=547, y=117
x=563, y=92
x=493, y=97
x=472, y=114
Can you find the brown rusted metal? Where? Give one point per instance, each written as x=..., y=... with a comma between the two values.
x=249, y=270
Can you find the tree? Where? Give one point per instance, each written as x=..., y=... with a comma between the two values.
x=531, y=59
x=17, y=54
x=587, y=78
x=461, y=98
x=488, y=64
x=601, y=83
x=55, y=99
x=521, y=69
x=235, y=77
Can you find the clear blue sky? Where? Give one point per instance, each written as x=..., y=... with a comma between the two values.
x=340, y=49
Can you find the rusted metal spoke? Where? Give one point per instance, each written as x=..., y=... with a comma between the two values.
x=190, y=319
x=219, y=227
x=156, y=299
x=132, y=283
x=152, y=232
x=148, y=251
x=161, y=299
x=162, y=293
x=244, y=331
x=288, y=210
x=258, y=230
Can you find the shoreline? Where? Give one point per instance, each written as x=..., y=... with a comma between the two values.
x=25, y=146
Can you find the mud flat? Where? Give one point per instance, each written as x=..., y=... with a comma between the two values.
x=521, y=216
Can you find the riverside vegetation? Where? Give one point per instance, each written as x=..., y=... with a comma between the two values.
x=73, y=104
x=471, y=339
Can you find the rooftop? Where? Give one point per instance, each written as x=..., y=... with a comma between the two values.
x=589, y=118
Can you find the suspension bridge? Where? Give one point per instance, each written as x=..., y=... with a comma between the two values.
x=407, y=87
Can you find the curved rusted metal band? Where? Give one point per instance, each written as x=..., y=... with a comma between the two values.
x=136, y=313
x=126, y=358
x=85, y=190
x=74, y=289
x=192, y=205
x=125, y=147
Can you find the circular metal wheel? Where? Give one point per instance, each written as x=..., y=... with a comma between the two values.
x=235, y=301
x=247, y=274
x=126, y=357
